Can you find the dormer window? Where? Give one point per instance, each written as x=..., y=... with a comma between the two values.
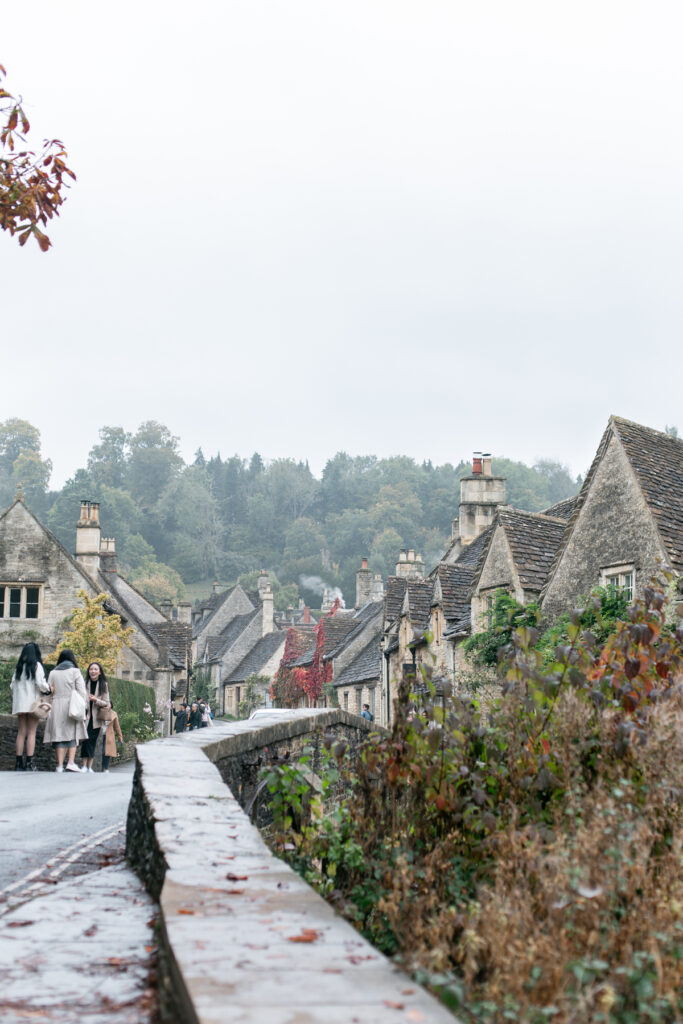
x=19, y=601
x=621, y=577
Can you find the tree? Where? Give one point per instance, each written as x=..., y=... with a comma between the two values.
x=154, y=462
x=108, y=461
x=32, y=185
x=157, y=582
x=95, y=634
x=17, y=436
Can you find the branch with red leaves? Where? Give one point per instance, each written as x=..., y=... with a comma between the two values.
x=31, y=184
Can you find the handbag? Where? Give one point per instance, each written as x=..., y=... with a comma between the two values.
x=76, y=707
x=105, y=715
x=40, y=708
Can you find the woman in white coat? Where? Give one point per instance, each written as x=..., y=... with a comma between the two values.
x=28, y=685
x=60, y=730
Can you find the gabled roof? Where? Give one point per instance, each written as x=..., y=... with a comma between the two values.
x=141, y=609
x=393, y=597
x=533, y=538
x=562, y=509
x=258, y=657
x=216, y=601
x=472, y=553
x=335, y=630
x=176, y=635
x=455, y=581
x=657, y=461
x=216, y=647
x=79, y=568
x=365, y=667
x=418, y=602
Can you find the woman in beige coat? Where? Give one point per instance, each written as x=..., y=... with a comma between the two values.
x=112, y=733
x=60, y=730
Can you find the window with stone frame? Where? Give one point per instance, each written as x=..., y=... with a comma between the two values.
x=622, y=577
x=20, y=601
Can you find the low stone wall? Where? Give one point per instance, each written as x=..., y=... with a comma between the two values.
x=243, y=938
x=44, y=757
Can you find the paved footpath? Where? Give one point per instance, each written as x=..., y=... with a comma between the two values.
x=77, y=942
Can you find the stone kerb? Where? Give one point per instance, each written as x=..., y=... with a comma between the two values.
x=243, y=938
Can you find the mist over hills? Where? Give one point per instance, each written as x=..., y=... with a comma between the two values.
x=225, y=518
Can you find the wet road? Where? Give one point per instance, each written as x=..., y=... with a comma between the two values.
x=50, y=821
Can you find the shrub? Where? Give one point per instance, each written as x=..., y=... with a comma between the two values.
x=525, y=863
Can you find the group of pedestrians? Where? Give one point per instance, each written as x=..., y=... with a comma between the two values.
x=197, y=715
x=77, y=710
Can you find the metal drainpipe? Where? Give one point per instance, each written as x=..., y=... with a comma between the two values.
x=386, y=660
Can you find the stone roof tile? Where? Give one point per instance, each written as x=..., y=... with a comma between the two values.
x=534, y=539
x=365, y=667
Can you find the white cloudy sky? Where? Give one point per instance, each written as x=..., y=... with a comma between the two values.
x=373, y=225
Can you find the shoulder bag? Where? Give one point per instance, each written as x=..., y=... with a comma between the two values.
x=40, y=708
x=76, y=707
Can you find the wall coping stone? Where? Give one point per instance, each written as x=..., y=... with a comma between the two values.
x=244, y=938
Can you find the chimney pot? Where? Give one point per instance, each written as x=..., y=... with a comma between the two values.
x=411, y=554
x=476, y=464
x=486, y=460
x=364, y=563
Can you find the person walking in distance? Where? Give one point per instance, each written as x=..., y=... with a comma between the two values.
x=367, y=713
x=195, y=716
x=27, y=685
x=97, y=697
x=60, y=730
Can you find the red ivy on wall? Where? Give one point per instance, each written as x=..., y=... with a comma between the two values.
x=293, y=687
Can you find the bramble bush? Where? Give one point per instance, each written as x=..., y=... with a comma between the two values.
x=524, y=863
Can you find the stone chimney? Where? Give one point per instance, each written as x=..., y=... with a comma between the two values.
x=166, y=609
x=328, y=601
x=377, y=587
x=409, y=566
x=266, y=596
x=363, y=584
x=215, y=589
x=108, y=554
x=263, y=583
x=185, y=612
x=88, y=537
x=480, y=495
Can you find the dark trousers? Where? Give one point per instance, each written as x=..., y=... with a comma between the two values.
x=106, y=758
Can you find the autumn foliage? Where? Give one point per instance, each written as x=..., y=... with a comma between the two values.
x=525, y=861
x=32, y=184
x=295, y=686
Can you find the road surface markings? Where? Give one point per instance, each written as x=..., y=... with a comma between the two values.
x=59, y=863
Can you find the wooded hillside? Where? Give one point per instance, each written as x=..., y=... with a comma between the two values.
x=220, y=518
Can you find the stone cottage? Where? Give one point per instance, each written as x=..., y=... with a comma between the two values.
x=227, y=628
x=39, y=586
x=628, y=519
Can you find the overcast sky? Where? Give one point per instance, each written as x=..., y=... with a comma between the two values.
x=378, y=226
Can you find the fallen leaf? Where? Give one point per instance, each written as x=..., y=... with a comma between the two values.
x=18, y=924
x=392, y=1005
x=415, y=1015
x=307, y=935
x=235, y=892
x=407, y=991
x=185, y=910
x=91, y=930
x=236, y=878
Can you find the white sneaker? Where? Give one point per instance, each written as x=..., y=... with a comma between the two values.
x=105, y=771
x=91, y=770
x=72, y=768
x=59, y=768
x=83, y=768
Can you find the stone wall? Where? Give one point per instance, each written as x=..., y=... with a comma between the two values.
x=44, y=757
x=242, y=937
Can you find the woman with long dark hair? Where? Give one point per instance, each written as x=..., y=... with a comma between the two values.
x=28, y=684
x=61, y=731
x=97, y=697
